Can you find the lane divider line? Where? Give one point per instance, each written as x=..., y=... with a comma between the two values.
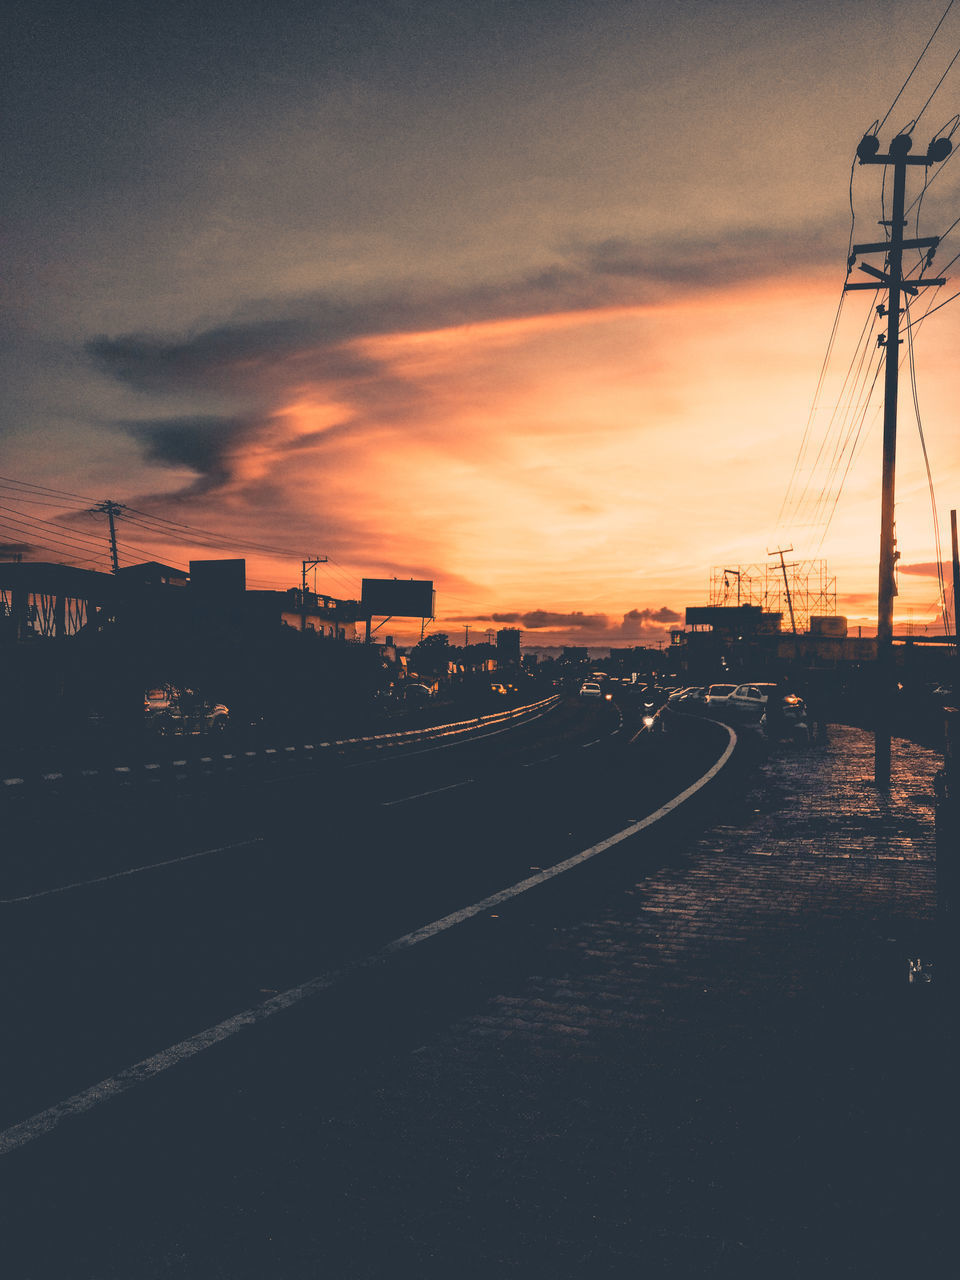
x=532, y=764
x=26, y=1131
x=130, y=871
x=386, y=804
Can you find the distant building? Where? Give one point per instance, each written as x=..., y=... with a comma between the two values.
x=508, y=645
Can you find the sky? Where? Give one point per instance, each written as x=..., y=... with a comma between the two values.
x=529, y=299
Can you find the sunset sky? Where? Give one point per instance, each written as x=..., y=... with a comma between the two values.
x=530, y=298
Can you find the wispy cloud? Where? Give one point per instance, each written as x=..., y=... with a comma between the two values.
x=274, y=342
x=928, y=569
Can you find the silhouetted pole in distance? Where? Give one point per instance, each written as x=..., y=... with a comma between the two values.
x=305, y=565
x=111, y=510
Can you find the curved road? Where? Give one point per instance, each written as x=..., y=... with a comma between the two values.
x=141, y=919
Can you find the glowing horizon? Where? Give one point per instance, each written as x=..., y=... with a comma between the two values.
x=545, y=329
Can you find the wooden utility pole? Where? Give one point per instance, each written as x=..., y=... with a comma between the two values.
x=307, y=564
x=892, y=279
x=111, y=510
x=781, y=552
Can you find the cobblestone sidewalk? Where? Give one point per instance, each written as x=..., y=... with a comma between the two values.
x=726, y=1072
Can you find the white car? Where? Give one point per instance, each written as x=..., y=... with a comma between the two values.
x=750, y=699
x=718, y=694
x=590, y=689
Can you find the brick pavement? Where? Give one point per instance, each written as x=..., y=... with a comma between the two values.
x=723, y=1072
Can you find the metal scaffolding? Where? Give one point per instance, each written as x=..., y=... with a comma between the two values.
x=813, y=593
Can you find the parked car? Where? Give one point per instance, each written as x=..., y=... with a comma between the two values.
x=750, y=700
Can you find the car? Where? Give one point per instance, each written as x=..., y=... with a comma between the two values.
x=790, y=720
x=718, y=694
x=179, y=712
x=414, y=692
x=689, y=699
x=215, y=717
x=750, y=700
x=590, y=689
x=158, y=700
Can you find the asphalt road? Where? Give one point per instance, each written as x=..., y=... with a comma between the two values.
x=172, y=950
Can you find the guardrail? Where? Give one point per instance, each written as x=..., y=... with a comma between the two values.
x=181, y=770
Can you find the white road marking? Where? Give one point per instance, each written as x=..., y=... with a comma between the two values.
x=445, y=746
x=19, y=1135
x=385, y=804
x=131, y=871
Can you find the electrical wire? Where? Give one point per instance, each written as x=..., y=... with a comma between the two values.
x=847, y=397
x=915, y=65
x=40, y=538
x=75, y=538
x=847, y=440
x=814, y=403
x=42, y=488
x=856, y=446
x=926, y=463
x=936, y=87
x=159, y=526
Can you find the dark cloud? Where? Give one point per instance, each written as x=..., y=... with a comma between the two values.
x=644, y=617
x=739, y=254
x=282, y=341
x=599, y=625
x=539, y=619
x=206, y=445
x=243, y=353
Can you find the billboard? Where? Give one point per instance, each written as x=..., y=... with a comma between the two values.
x=396, y=598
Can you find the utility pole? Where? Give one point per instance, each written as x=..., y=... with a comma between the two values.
x=786, y=585
x=892, y=279
x=310, y=563
x=111, y=510
x=466, y=636
x=956, y=579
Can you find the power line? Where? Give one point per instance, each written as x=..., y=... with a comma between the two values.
x=42, y=488
x=163, y=527
x=915, y=65
x=926, y=463
x=937, y=86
